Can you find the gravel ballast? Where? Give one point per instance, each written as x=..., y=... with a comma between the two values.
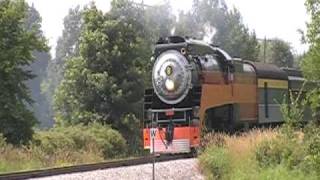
x=176, y=169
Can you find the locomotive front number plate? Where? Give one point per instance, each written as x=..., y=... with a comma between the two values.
x=169, y=70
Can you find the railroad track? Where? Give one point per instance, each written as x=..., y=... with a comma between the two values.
x=89, y=167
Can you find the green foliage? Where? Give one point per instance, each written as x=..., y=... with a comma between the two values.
x=105, y=82
x=299, y=152
x=313, y=8
x=312, y=146
x=131, y=131
x=311, y=63
x=296, y=147
x=236, y=38
x=215, y=162
x=281, y=150
x=293, y=112
x=188, y=26
x=3, y=142
x=52, y=141
x=38, y=68
x=16, y=46
x=314, y=99
x=110, y=141
x=212, y=20
x=256, y=155
x=281, y=172
x=67, y=47
x=288, y=147
x=158, y=21
x=82, y=138
x=278, y=52
x=62, y=146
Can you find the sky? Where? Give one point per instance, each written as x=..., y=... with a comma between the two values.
x=268, y=18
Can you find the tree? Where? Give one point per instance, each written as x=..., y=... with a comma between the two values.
x=297, y=60
x=16, y=47
x=67, y=47
x=38, y=68
x=278, y=52
x=236, y=38
x=188, y=26
x=311, y=63
x=158, y=21
x=104, y=83
x=212, y=20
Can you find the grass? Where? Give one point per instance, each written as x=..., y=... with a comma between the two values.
x=63, y=146
x=28, y=158
x=235, y=157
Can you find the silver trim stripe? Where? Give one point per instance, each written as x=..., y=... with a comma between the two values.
x=294, y=78
x=172, y=109
x=177, y=146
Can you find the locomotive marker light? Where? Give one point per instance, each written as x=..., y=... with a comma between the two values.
x=195, y=111
x=170, y=112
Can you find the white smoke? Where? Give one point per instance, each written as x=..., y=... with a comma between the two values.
x=209, y=32
x=173, y=30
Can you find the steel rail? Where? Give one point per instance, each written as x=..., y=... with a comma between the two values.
x=89, y=167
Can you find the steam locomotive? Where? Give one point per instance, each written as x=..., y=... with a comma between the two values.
x=199, y=86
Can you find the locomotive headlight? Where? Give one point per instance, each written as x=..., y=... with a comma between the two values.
x=171, y=76
x=169, y=85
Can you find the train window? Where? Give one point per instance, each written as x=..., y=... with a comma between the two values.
x=209, y=63
x=248, y=68
x=275, y=96
x=238, y=66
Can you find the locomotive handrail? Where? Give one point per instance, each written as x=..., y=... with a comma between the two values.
x=170, y=109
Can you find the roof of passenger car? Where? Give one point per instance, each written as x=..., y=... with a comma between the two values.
x=269, y=71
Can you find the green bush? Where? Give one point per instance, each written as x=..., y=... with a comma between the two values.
x=215, y=162
x=282, y=172
x=109, y=140
x=293, y=150
x=130, y=128
x=280, y=150
x=276, y=157
x=61, y=146
x=82, y=138
x=288, y=148
x=312, y=146
x=51, y=141
x=2, y=141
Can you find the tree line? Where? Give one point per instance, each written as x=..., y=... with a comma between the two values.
x=102, y=61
